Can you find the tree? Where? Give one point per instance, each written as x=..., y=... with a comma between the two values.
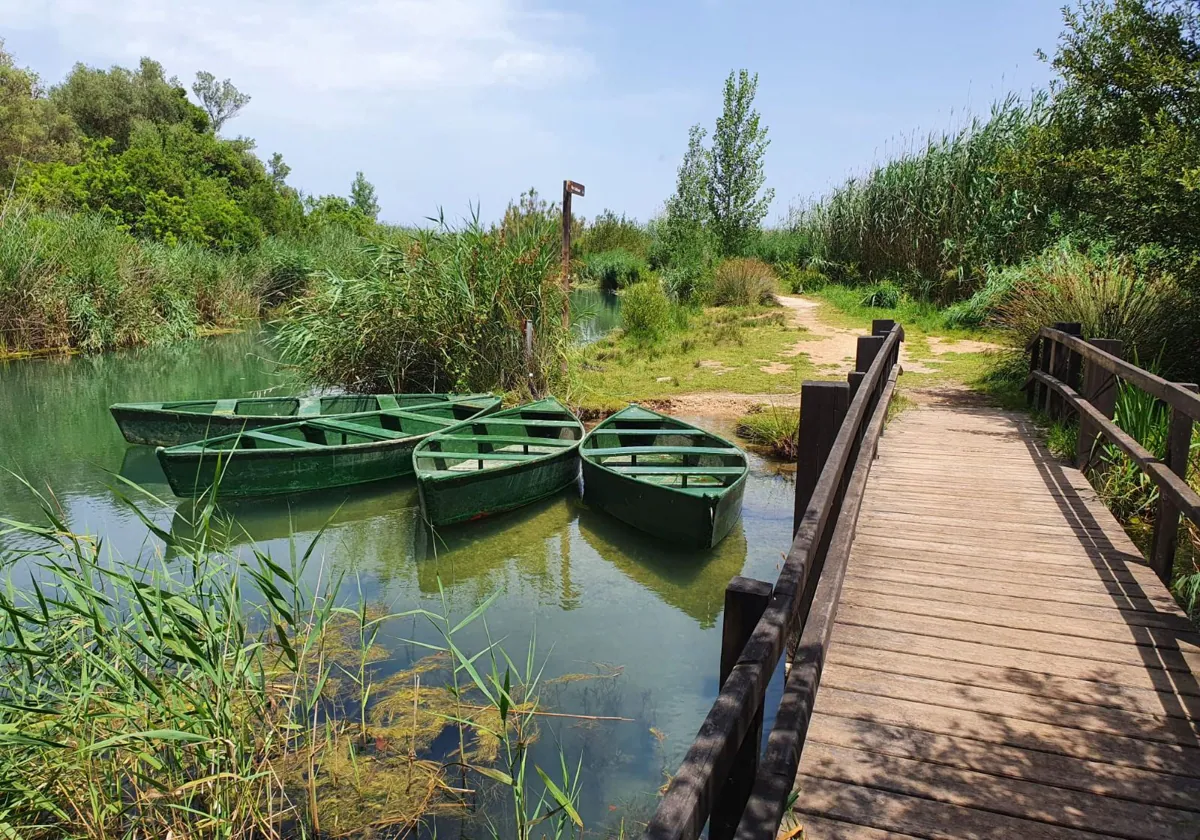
x=107, y=103
x=362, y=197
x=735, y=167
x=278, y=170
x=220, y=100
x=690, y=203
x=32, y=130
x=684, y=234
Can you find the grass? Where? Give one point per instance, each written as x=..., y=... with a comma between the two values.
x=221, y=697
x=772, y=430
x=723, y=350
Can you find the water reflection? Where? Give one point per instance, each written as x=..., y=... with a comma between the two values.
x=594, y=314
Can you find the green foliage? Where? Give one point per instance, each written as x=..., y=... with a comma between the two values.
x=220, y=100
x=743, y=281
x=31, y=129
x=615, y=269
x=735, y=179
x=439, y=310
x=1102, y=291
x=935, y=216
x=610, y=232
x=883, y=295
x=799, y=281
x=363, y=198
x=110, y=103
x=782, y=246
x=646, y=313
x=775, y=430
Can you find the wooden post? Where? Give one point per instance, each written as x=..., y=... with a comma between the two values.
x=1033, y=391
x=854, y=378
x=570, y=188
x=823, y=406
x=745, y=601
x=1059, y=362
x=868, y=348
x=882, y=326
x=1100, y=389
x=1166, y=520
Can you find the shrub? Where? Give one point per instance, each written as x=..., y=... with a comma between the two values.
x=1102, y=292
x=743, y=281
x=782, y=246
x=885, y=295
x=610, y=232
x=615, y=269
x=800, y=280
x=646, y=312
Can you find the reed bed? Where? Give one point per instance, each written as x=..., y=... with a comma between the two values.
x=441, y=309
x=216, y=696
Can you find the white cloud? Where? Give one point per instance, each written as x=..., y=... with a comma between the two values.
x=322, y=48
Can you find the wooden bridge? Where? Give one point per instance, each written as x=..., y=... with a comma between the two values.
x=975, y=647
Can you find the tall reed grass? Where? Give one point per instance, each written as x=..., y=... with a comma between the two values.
x=936, y=215
x=444, y=309
x=220, y=696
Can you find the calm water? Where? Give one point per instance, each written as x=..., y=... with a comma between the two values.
x=594, y=313
x=596, y=594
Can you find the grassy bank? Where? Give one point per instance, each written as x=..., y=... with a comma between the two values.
x=77, y=282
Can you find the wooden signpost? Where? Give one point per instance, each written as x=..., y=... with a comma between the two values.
x=570, y=188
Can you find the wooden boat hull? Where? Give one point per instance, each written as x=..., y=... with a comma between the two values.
x=474, y=496
x=668, y=478
x=498, y=463
x=193, y=469
x=692, y=521
x=172, y=424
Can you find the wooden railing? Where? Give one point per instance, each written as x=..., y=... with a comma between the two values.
x=1067, y=372
x=723, y=775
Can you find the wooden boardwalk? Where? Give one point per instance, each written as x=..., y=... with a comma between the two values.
x=1004, y=662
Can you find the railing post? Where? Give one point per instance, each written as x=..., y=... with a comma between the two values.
x=823, y=406
x=745, y=601
x=1166, y=520
x=1100, y=389
x=1033, y=390
x=1059, y=363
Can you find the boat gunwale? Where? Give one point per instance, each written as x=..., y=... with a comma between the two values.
x=197, y=448
x=157, y=408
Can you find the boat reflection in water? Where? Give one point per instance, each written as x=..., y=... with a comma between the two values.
x=690, y=580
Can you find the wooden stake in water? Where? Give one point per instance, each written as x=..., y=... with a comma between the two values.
x=569, y=188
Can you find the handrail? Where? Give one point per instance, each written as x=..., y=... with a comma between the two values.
x=1055, y=360
x=693, y=791
x=1169, y=392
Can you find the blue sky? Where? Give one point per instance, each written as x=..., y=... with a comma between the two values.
x=449, y=103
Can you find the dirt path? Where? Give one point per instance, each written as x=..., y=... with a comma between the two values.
x=831, y=350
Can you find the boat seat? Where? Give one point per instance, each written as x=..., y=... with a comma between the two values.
x=226, y=407
x=714, y=471
x=429, y=418
x=309, y=407
x=663, y=450
x=476, y=456
x=355, y=429
x=505, y=439
x=387, y=402
x=514, y=421
x=267, y=436
x=680, y=432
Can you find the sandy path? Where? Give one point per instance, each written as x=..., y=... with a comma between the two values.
x=831, y=350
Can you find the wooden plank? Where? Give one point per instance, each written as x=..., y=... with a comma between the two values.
x=1019, y=661
x=1060, y=771
x=1182, y=659
x=1012, y=704
x=604, y=452
x=356, y=429
x=934, y=595
x=920, y=817
x=1014, y=732
x=819, y=828
x=466, y=436
x=669, y=470
x=258, y=434
x=1000, y=795
x=878, y=552
x=1019, y=619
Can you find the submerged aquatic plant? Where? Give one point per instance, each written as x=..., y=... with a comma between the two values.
x=216, y=695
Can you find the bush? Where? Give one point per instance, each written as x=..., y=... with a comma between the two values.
x=743, y=281
x=610, y=232
x=646, y=312
x=885, y=295
x=801, y=280
x=1102, y=292
x=615, y=270
x=782, y=246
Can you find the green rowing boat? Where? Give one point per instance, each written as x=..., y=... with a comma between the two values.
x=314, y=454
x=497, y=463
x=173, y=423
x=664, y=476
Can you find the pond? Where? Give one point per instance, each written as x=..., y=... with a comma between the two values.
x=594, y=313
x=597, y=596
